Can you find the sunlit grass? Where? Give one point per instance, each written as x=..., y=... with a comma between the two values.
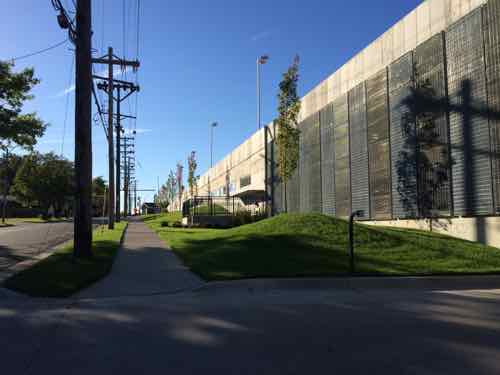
x=291, y=245
x=60, y=275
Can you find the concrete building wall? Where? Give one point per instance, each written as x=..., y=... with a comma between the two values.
x=428, y=19
x=248, y=159
x=482, y=229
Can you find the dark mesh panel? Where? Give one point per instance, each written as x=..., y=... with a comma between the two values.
x=492, y=47
x=327, y=161
x=469, y=129
x=293, y=192
x=310, y=165
x=403, y=147
x=342, y=162
x=378, y=146
x=278, y=206
x=359, y=150
x=434, y=173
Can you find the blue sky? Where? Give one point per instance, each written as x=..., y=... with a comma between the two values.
x=197, y=66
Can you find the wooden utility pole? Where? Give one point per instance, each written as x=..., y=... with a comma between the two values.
x=111, y=162
x=111, y=60
x=83, y=132
x=118, y=135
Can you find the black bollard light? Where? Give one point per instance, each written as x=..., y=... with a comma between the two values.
x=355, y=214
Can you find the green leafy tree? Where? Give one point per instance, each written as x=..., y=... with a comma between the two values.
x=99, y=189
x=171, y=188
x=287, y=138
x=16, y=128
x=9, y=166
x=46, y=179
x=192, y=165
x=179, y=177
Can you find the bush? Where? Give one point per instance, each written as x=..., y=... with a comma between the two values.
x=164, y=224
x=177, y=224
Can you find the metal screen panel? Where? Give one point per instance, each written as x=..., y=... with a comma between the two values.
x=342, y=160
x=277, y=192
x=491, y=19
x=310, y=165
x=434, y=164
x=469, y=128
x=378, y=145
x=403, y=145
x=293, y=192
x=327, y=160
x=359, y=150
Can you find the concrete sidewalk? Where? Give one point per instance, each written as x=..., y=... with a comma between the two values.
x=144, y=266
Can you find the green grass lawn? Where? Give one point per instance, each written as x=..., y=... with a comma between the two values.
x=291, y=245
x=60, y=276
x=170, y=217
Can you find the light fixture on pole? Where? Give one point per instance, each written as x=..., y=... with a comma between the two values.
x=260, y=61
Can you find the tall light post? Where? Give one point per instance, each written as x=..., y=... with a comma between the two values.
x=212, y=126
x=260, y=61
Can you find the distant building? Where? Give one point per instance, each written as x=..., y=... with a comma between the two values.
x=149, y=208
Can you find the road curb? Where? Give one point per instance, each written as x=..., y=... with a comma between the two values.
x=463, y=282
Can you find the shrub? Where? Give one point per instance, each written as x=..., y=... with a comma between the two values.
x=177, y=224
x=164, y=224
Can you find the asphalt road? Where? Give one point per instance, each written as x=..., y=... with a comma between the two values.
x=27, y=240
x=243, y=331
x=24, y=241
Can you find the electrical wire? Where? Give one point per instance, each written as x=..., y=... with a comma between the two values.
x=38, y=52
x=67, y=103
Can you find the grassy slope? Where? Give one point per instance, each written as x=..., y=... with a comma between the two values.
x=316, y=245
x=59, y=276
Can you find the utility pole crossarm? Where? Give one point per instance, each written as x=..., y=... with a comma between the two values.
x=116, y=61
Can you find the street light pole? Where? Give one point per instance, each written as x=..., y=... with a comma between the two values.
x=260, y=61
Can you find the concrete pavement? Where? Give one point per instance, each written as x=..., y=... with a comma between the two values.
x=247, y=332
x=145, y=265
x=152, y=316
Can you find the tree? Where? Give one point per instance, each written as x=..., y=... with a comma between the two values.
x=192, y=165
x=180, y=187
x=99, y=189
x=46, y=179
x=171, y=188
x=16, y=128
x=287, y=138
x=9, y=166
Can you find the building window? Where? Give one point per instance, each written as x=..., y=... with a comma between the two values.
x=245, y=181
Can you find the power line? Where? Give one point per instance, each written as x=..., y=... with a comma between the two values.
x=38, y=52
x=67, y=104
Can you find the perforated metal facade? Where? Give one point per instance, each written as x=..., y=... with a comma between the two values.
x=327, y=160
x=434, y=167
x=491, y=20
x=359, y=151
x=469, y=128
x=342, y=157
x=310, y=165
x=378, y=146
x=403, y=142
